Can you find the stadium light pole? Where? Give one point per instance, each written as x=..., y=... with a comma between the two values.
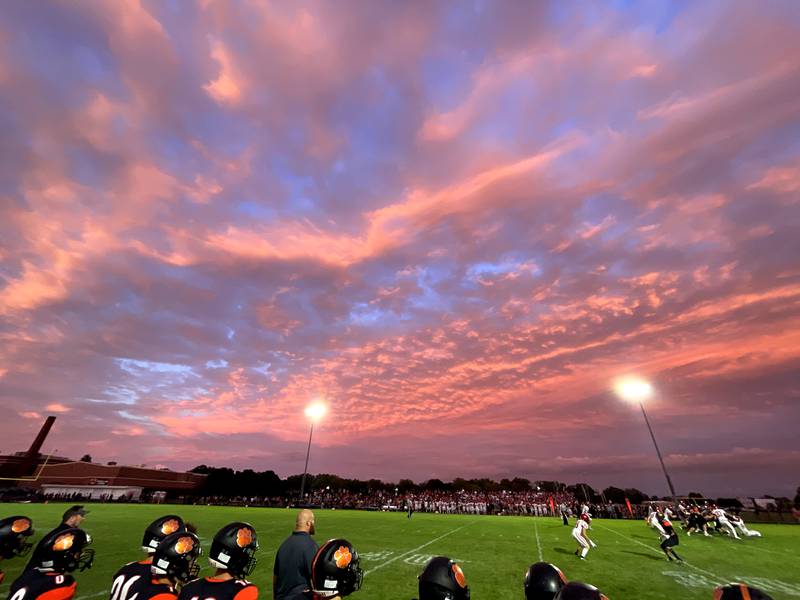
x=314, y=412
x=637, y=390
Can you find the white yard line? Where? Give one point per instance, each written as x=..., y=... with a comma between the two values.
x=418, y=548
x=538, y=543
x=716, y=578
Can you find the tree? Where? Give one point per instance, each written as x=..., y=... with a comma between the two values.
x=406, y=485
x=86, y=458
x=635, y=496
x=797, y=498
x=615, y=495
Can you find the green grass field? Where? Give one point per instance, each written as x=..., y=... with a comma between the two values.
x=494, y=551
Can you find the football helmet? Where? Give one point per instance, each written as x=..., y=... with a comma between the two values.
x=586, y=517
x=442, y=579
x=65, y=551
x=159, y=529
x=543, y=581
x=176, y=557
x=739, y=591
x=234, y=548
x=575, y=590
x=13, y=534
x=335, y=571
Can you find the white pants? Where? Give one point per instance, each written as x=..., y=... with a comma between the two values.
x=727, y=525
x=580, y=539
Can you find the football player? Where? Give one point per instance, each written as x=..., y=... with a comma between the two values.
x=581, y=535
x=61, y=553
x=543, y=581
x=72, y=517
x=670, y=540
x=739, y=591
x=335, y=572
x=174, y=563
x=233, y=555
x=14, y=532
x=696, y=522
x=575, y=590
x=737, y=521
x=723, y=522
x=153, y=536
x=442, y=579
x=654, y=521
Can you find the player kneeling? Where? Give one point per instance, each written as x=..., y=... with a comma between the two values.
x=442, y=579
x=543, y=581
x=174, y=562
x=61, y=553
x=575, y=590
x=739, y=591
x=334, y=571
x=14, y=534
x=233, y=554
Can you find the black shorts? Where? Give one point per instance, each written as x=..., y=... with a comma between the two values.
x=670, y=542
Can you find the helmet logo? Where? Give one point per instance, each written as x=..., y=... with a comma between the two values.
x=20, y=525
x=184, y=545
x=64, y=542
x=459, y=575
x=342, y=557
x=170, y=526
x=244, y=537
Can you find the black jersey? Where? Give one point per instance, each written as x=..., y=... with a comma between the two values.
x=34, y=584
x=135, y=580
x=208, y=588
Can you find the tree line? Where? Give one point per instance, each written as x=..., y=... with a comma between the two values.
x=227, y=482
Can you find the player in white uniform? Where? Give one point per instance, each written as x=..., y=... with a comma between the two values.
x=654, y=521
x=723, y=521
x=581, y=534
x=738, y=522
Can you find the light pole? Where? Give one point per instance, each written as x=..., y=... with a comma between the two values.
x=314, y=412
x=637, y=390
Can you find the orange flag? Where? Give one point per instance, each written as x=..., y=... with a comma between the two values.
x=628, y=502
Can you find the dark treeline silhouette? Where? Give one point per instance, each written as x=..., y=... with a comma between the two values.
x=227, y=482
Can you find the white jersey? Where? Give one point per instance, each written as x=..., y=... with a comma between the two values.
x=720, y=514
x=579, y=528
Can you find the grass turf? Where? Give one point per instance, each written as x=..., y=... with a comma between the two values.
x=494, y=551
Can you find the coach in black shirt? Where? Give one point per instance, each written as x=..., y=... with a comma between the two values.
x=291, y=577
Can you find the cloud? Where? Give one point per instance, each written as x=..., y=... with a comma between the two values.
x=457, y=227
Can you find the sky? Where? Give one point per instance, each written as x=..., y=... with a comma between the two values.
x=456, y=223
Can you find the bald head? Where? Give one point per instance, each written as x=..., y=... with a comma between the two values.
x=305, y=522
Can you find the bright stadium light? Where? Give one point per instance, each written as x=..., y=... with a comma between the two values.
x=315, y=412
x=633, y=389
x=636, y=390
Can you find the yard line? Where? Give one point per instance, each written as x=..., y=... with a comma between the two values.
x=391, y=560
x=538, y=543
x=716, y=578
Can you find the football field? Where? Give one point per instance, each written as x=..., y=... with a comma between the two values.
x=493, y=551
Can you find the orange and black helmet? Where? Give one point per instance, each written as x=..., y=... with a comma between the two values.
x=159, y=529
x=335, y=571
x=739, y=591
x=543, y=581
x=176, y=557
x=14, y=534
x=442, y=579
x=64, y=551
x=575, y=590
x=234, y=548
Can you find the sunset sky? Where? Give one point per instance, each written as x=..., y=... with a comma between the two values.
x=456, y=224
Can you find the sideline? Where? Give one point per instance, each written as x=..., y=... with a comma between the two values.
x=391, y=560
x=538, y=543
